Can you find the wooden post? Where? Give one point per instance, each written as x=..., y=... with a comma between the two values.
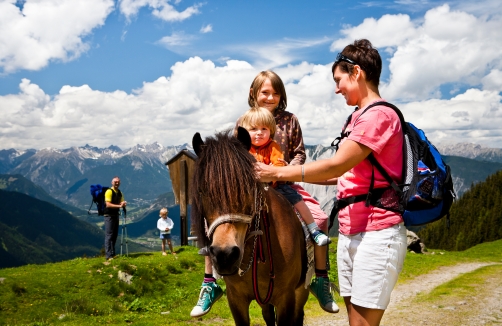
x=183, y=202
x=181, y=168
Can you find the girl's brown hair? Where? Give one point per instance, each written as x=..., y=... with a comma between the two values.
x=277, y=84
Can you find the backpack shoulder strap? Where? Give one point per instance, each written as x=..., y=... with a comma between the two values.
x=371, y=157
x=343, y=134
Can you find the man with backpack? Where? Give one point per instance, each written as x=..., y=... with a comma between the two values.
x=114, y=201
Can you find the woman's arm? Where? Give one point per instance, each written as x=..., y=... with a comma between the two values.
x=349, y=155
x=329, y=182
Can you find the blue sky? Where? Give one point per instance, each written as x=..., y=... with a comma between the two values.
x=102, y=72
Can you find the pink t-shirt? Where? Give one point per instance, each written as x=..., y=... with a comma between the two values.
x=379, y=129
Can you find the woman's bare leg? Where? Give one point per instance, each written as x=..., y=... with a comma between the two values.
x=360, y=316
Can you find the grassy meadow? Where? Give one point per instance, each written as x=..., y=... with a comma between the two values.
x=86, y=291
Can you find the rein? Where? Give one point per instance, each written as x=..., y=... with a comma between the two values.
x=262, y=214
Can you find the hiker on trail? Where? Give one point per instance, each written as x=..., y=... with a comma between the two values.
x=267, y=90
x=114, y=202
x=372, y=241
x=165, y=225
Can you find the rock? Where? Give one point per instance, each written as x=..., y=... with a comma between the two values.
x=124, y=277
x=2, y=279
x=415, y=243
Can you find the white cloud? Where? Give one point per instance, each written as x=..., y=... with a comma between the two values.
x=442, y=48
x=199, y=96
x=176, y=39
x=160, y=9
x=51, y=29
x=445, y=47
x=277, y=53
x=206, y=29
x=493, y=81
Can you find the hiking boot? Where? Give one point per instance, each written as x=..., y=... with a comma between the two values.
x=209, y=294
x=320, y=288
x=320, y=238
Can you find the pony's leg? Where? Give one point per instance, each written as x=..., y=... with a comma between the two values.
x=239, y=307
x=268, y=313
x=283, y=309
x=301, y=295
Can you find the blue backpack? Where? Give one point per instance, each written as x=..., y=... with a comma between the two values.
x=98, y=198
x=426, y=194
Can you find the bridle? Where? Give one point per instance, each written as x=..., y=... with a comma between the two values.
x=261, y=213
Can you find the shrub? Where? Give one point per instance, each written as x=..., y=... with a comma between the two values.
x=187, y=264
x=18, y=289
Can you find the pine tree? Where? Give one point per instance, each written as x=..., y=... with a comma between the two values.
x=475, y=218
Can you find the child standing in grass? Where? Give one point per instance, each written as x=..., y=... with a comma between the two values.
x=165, y=225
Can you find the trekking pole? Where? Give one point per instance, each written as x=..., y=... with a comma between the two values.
x=122, y=238
x=125, y=229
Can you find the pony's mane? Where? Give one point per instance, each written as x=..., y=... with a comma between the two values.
x=224, y=179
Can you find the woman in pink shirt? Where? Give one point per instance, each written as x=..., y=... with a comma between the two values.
x=372, y=240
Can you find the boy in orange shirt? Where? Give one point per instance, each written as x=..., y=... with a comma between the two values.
x=260, y=124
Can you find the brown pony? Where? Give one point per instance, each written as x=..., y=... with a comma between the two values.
x=228, y=200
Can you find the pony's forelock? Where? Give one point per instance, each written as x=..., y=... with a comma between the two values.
x=224, y=174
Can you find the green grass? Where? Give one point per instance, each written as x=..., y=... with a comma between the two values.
x=84, y=291
x=464, y=286
x=416, y=264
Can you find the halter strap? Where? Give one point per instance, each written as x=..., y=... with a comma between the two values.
x=228, y=218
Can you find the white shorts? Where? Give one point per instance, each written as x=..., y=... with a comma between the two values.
x=369, y=264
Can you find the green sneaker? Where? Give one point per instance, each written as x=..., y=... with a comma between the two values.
x=209, y=294
x=320, y=288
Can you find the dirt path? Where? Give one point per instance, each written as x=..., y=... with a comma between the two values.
x=483, y=309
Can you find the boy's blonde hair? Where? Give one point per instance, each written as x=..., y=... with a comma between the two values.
x=256, y=117
x=163, y=210
x=277, y=84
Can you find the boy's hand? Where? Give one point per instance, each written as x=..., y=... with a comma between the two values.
x=283, y=161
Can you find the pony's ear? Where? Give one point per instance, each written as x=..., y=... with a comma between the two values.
x=244, y=138
x=197, y=143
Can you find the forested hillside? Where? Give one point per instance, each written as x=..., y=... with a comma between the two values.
x=20, y=184
x=475, y=218
x=34, y=231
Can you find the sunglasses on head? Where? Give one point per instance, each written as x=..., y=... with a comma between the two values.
x=341, y=57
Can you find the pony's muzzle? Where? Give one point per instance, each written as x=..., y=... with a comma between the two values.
x=226, y=260
x=227, y=244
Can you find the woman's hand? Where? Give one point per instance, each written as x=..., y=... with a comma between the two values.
x=266, y=173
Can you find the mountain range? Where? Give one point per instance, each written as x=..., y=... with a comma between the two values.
x=66, y=174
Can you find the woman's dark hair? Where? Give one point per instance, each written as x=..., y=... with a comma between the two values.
x=362, y=53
